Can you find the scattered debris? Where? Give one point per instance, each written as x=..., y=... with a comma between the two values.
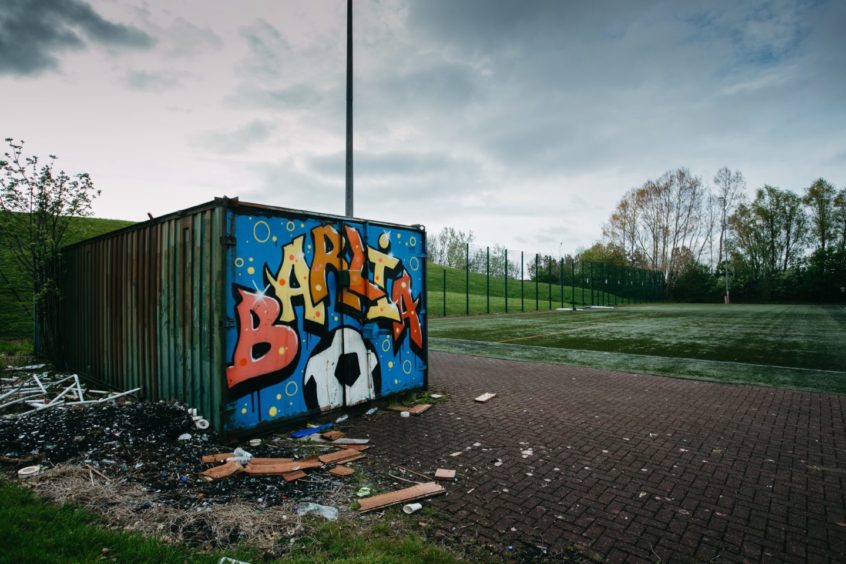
x=29, y=471
x=340, y=456
x=279, y=468
x=222, y=471
x=310, y=431
x=444, y=474
x=184, y=437
x=405, y=414
x=325, y=511
x=371, y=411
x=484, y=398
x=342, y=418
x=410, y=508
x=255, y=442
x=36, y=392
x=363, y=491
x=342, y=471
x=419, y=491
x=222, y=457
x=436, y=396
x=419, y=408
x=332, y=435
x=347, y=441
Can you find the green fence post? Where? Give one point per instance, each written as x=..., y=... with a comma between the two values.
x=444, y=292
x=467, y=279
x=488, y=278
x=549, y=285
x=537, y=283
x=590, y=275
x=573, y=276
x=506, y=279
x=561, y=279
x=582, y=280
x=522, y=285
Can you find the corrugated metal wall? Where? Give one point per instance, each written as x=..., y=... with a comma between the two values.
x=142, y=307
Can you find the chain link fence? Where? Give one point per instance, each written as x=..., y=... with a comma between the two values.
x=470, y=280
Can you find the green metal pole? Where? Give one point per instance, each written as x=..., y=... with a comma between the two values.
x=537, y=282
x=444, y=292
x=592, y=300
x=561, y=278
x=506, y=280
x=488, y=278
x=522, y=285
x=467, y=279
x=549, y=285
x=573, y=273
x=582, y=280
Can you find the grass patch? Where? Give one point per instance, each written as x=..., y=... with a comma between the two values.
x=37, y=531
x=794, y=346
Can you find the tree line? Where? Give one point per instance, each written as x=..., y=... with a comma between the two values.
x=704, y=238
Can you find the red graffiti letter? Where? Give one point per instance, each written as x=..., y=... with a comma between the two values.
x=262, y=347
x=401, y=296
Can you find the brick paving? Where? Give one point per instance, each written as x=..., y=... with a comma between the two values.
x=626, y=467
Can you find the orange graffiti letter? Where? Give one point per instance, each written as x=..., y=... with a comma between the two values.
x=407, y=305
x=262, y=347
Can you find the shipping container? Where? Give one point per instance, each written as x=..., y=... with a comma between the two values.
x=255, y=315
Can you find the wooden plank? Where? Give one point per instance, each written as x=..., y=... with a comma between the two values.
x=355, y=447
x=333, y=435
x=220, y=457
x=485, y=397
x=342, y=471
x=222, y=471
x=270, y=460
x=340, y=455
x=420, y=408
x=281, y=467
x=399, y=496
x=295, y=475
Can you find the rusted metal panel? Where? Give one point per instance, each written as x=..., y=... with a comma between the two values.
x=173, y=305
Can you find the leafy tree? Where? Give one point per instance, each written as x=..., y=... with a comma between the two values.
x=819, y=197
x=605, y=252
x=449, y=247
x=36, y=204
x=728, y=193
x=839, y=221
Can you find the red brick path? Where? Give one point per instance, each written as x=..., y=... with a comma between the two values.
x=627, y=467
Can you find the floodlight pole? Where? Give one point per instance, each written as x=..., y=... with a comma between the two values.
x=349, y=184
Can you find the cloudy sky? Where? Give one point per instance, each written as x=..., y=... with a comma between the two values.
x=525, y=121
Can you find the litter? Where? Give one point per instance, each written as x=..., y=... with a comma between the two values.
x=410, y=508
x=29, y=472
x=444, y=474
x=436, y=396
x=340, y=456
x=280, y=468
x=310, y=431
x=255, y=442
x=222, y=471
x=371, y=411
x=487, y=396
x=44, y=391
x=333, y=435
x=292, y=476
x=342, y=471
x=399, y=496
x=342, y=418
x=419, y=408
x=241, y=456
x=325, y=511
x=405, y=414
x=348, y=441
x=184, y=437
x=363, y=491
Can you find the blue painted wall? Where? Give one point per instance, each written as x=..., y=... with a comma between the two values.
x=288, y=354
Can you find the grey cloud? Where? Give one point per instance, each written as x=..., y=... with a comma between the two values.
x=268, y=48
x=148, y=81
x=33, y=33
x=238, y=140
x=392, y=164
x=186, y=39
x=300, y=96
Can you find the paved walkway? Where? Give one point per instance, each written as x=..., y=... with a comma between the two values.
x=627, y=467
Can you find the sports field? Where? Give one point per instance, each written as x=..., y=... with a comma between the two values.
x=796, y=346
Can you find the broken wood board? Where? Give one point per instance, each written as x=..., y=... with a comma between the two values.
x=222, y=471
x=340, y=456
x=295, y=475
x=220, y=457
x=333, y=435
x=270, y=460
x=444, y=474
x=281, y=467
x=347, y=441
x=487, y=396
x=355, y=447
x=342, y=471
x=400, y=496
x=420, y=408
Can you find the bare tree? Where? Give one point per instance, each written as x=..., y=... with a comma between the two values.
x=37, y=203
x=728, y=193
x=819, y=197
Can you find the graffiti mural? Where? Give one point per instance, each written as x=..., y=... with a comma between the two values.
x=321, y=314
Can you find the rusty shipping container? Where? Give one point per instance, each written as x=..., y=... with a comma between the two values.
x=257, y=316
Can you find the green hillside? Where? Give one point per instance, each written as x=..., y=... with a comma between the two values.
x=16, y=289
